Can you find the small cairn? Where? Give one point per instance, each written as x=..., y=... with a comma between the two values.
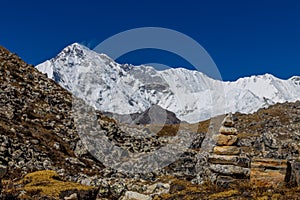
x=226, y=160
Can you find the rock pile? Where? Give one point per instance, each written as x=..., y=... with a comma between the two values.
x=226, y=161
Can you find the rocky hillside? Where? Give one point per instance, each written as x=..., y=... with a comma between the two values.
x=37, y=131
x=272, y=132
x=42, y=156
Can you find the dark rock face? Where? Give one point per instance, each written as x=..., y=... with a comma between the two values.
x=292, y=177
x=153, y=115
x=157, y=115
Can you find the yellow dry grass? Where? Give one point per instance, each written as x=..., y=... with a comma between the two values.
x=48, y=183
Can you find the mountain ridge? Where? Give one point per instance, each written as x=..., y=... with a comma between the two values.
x=191, y=95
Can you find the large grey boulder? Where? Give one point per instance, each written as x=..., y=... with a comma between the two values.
x=130, y=195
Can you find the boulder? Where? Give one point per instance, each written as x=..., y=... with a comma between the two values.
x=130, y=195
x=73, y=196
x=158, y=188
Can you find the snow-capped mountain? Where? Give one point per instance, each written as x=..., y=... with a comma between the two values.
x=191, y=95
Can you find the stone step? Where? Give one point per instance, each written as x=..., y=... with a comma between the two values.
x=228, y=121
x=225, y=140
x=267, y=178
x=267, y=172
x=228, y=130
x=268, y=163
x=226, y=150
x=230, y=170
x=230, y=160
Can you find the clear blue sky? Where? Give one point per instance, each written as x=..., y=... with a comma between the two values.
x=243, y=37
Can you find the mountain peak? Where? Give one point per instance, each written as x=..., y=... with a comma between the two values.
x=265, y=76
x=77, y=50
x=73, y=50
x=295, y=78
x=269, y=76
x=77, y=45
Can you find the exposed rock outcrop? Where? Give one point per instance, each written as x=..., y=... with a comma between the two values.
x=153, y=115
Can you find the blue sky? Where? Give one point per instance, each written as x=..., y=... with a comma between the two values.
x=243, y=37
